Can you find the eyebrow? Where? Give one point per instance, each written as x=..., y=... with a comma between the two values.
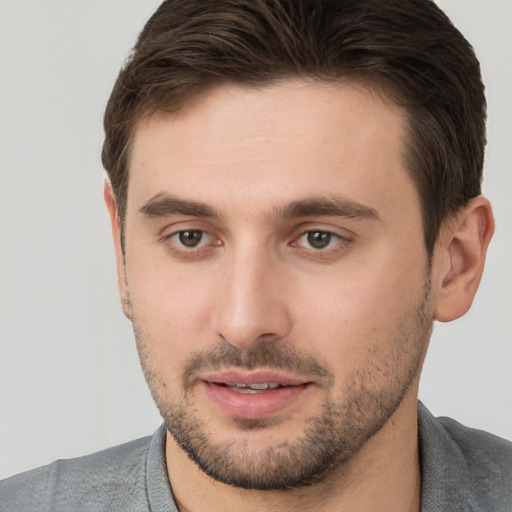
x=332, y=206
x=162, y=205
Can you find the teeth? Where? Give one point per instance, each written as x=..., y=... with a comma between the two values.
x=247, y=390
x=258, y=386
x=252, y=388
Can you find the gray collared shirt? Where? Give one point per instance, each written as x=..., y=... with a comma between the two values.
x=462, y=469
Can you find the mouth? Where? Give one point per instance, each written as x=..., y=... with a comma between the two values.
x=254, y=394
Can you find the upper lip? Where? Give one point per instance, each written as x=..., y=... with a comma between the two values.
x=248, y=377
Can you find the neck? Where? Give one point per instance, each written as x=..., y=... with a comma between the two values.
x=384, y=475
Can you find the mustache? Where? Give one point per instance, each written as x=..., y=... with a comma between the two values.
x=262, y=354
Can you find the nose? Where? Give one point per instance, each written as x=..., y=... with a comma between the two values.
x=252, y=302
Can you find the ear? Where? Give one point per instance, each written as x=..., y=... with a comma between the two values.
x=115, y=221
x=460, y=257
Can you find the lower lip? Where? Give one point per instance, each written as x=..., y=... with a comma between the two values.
x=254, y=406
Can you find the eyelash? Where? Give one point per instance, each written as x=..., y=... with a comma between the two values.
x=338, y=239
x=178, y=248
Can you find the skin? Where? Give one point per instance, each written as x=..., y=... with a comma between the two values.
x=235, y=161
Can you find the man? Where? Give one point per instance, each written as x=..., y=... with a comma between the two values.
x=294, y=189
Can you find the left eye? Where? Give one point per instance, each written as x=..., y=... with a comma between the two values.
x=318, y=240
x=192, y=238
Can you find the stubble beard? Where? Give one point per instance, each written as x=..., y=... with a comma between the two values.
x=330, y=439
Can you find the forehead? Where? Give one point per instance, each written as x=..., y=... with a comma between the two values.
x=291, y=138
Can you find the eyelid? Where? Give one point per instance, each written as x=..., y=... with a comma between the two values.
x=180, y=251
x=341, y=232
x=185, y=224
x=202, y=242
x=343, y=238
x=173, y=226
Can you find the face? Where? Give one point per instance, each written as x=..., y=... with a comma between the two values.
x=276, y=276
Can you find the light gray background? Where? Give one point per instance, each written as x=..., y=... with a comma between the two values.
x=70, y=381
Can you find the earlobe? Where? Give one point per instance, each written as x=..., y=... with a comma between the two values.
x=110, y=202
x=460, y=255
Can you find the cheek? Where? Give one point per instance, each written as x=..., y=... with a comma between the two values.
x=172, y=310
x=358, y=311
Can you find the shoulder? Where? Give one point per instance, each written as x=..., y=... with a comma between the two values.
x=101, y=481
x=488, y=457
x=464, y=468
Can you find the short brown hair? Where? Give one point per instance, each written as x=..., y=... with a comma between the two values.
x=408, y=49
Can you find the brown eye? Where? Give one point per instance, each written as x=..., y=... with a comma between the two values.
x=319, y=239
x=192, y=238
